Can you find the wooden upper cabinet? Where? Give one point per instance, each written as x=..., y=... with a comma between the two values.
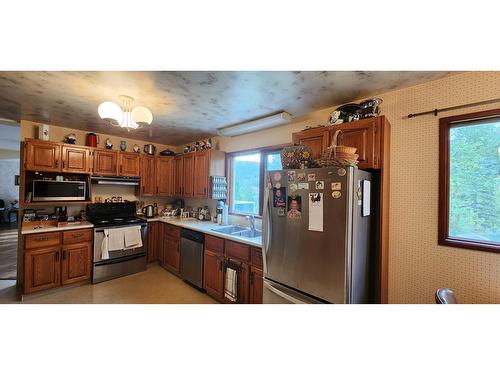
x=364, y=134
x=41, y=269
x=188, y=175
x=201, y=174
x=105, y=162
x=76, y=263
x=42, y=156
x=129, y=163
x=148, y=176
x=165, y=176
x=76, y=159
x=317, y=139
x=178, y=175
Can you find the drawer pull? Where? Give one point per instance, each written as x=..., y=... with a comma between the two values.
x=76, y=235
x=40, y=239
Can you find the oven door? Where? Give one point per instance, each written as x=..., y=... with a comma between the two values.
x=114, y=256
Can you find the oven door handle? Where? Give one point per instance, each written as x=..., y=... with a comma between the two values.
x=119, y=260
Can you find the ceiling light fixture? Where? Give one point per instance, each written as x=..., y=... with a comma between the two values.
x=125, y=116
x=256, y=125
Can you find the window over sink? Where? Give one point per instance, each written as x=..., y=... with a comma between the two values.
x=246, y=171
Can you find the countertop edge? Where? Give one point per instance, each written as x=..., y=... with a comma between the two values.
x=185, y=224
x=57, y=229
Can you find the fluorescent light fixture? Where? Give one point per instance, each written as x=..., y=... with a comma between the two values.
x=256, y=125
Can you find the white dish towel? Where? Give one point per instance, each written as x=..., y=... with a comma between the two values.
x=133, y=237
x=231, y=284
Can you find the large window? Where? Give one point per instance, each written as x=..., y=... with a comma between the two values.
x=247, y=171
x=469, y=212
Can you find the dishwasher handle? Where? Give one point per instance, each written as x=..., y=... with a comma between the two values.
x=193, y=235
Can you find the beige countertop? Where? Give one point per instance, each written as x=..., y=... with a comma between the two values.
x=206, y=227
x=44, y=229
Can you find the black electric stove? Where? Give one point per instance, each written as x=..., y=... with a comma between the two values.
x=113, y=214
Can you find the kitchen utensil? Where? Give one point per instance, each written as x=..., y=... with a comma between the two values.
x=149, y=211
x=149, y=149
x=92, y=140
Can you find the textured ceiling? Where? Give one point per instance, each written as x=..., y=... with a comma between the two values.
x=186, y=106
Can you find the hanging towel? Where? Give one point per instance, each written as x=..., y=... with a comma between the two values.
x=133, y=237
x=116, y=238
x=231, y=288
x=104, y=245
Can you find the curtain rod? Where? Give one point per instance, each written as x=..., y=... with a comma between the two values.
x=437, y=110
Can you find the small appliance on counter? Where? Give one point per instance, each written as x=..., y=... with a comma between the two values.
x=149, y=211
x=150, y=149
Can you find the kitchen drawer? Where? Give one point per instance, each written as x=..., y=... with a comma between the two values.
x=215, y=244
x=35, y=241
x=237, y=250
x=172, y=231
x=256, y=255
x=77, y=236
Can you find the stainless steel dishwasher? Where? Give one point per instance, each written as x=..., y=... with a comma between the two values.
x=192, y=244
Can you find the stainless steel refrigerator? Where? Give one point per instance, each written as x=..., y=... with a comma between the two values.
x=316, y=236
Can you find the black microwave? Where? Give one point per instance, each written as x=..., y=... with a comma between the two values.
x=51, y=190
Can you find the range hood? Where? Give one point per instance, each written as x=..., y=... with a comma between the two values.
x=128, y=181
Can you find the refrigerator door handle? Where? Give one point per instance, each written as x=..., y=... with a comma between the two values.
x=283, y=295
x=266, y=229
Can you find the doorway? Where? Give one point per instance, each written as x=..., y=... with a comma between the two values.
x=9, y=198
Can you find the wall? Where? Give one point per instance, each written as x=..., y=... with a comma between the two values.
x=9, y=191
x=417, y=265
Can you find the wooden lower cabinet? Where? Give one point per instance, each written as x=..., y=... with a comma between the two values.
x=171, y=248
x=76, y=263
x=57, y=258
x=154, y=241
x=213, y=274
x=42, y=269
x=256, y=285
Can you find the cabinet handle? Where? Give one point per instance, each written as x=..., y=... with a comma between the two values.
x=40, y=239
x=121, y=168
x=220, y=265
x=57, y=256
x=57, y=163
x=64, y=164
x=76, y=235
x=64, y=255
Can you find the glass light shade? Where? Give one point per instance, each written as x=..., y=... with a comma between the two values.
x=111, y=112
x=142, y=116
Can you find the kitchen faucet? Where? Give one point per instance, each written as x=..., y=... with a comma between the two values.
x=251, y=220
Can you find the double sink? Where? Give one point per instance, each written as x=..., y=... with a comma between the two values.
x=239, y=230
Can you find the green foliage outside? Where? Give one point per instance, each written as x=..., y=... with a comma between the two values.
x=475, y=182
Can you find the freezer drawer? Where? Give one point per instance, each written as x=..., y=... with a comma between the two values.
x=274, y=293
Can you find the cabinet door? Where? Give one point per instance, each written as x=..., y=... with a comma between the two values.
x=172, y=254
x=43, y=156
x=317, y=139
x=201, y=173
x=76, y=262
x=41, y=269
x=256, y=285
x=129, y=164
x=75, y=159
x=188, y=173
x=361, y=134
x=154, y=240
x=164, y=176
x=213, y=274
x=243, y=280
x=105, y=162
x=148, y=176
x=178, y=175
